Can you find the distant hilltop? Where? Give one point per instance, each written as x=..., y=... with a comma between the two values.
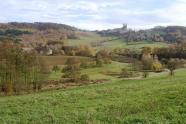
x=37, y=26
x=171, y=34
x=38, y=33
x=116, y=31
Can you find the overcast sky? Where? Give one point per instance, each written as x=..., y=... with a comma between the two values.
x=96, y=14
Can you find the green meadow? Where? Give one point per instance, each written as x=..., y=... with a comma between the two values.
x=159, y=99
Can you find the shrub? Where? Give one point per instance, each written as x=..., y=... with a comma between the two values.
x=85, y=77
x=157, y=66
x=103, y=53
x=62, y=52
x=145, y=74
x=84, y=50
x=164, y=61
x=72, y=53
x=55, y=68
x=99, y=62
x=107, y=61
x=103, y=57
x=126, y=73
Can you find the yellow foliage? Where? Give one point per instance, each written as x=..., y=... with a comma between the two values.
x=157, y=66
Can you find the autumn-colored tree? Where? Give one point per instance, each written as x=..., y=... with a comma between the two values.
x=156, y=65
x=103, y=57
x=85, y=50
x=146, y=50
x=72, y=69
x=147, y=59
x=18, y=69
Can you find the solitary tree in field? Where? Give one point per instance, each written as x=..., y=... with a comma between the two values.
x=147, y=59
x=172, y=65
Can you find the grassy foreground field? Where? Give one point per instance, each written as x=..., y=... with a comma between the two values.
x=156, y=100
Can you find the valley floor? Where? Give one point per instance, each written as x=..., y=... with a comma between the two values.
x=157, y=99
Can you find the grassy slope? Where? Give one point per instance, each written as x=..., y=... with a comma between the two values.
x=134, y=45
x=158, y=100
x=87, y=38
x=101, y=72
x=146, y=44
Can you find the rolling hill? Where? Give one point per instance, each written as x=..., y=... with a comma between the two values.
x=38, y=35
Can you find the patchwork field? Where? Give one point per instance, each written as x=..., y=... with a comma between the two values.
x=159, y=99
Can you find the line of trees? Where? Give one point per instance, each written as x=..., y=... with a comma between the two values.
x=150, y=61
x=175, y=51
x=155, y=59
x=19, y=70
